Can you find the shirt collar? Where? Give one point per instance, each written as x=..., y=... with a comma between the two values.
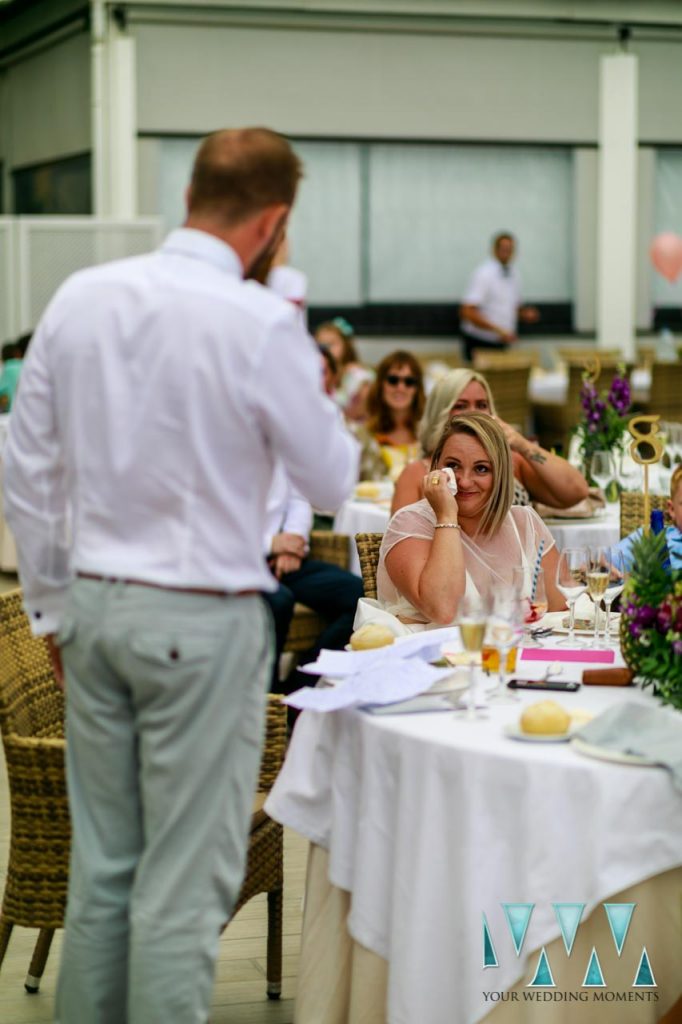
x=200, y=245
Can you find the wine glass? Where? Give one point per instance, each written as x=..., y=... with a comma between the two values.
x=597, y=579
x=617, y=577
x=472, y=619
x=629, y=473
x=601, y=470
x=504, y=632
x=571, y=581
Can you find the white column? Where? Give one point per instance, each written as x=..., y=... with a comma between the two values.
x=114, y=136
x=617, y=213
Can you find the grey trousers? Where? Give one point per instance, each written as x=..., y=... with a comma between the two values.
x=165, y=696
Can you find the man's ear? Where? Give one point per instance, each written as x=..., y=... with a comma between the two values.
x=272, y=223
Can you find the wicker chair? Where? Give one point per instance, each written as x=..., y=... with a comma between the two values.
x=666, y=391
x=507, y=375
x=306, y=625
x=632, y=510
x=32, y=724
x=368, y=545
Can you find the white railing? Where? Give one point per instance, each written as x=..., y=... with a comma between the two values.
x=38, y=253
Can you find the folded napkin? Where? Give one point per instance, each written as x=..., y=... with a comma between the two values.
x=585, y=509
x=651, y=732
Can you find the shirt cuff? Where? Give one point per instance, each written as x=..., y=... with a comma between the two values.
x=45, y=613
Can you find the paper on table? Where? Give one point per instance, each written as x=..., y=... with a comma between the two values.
x=338, y=664
x=373, y=685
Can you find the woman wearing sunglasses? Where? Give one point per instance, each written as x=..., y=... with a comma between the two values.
x=394, y=406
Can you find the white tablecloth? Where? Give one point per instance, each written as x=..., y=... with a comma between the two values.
x=366, y=517
x=431, y=821
x=552, y=385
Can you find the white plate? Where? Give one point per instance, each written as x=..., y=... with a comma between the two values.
x=616, y=756
x=515, y=733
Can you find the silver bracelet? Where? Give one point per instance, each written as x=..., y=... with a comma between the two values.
x=448, y=526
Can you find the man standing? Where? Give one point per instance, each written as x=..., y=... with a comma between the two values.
x=158, y=394
x=492, y=301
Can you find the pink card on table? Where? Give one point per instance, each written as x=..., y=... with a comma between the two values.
x=554, y=654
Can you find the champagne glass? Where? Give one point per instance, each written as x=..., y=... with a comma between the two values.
x=597, y=579
x=601, y=470
x=571, y=581
x=504, y=632
x=617, y=577
x=472, y=619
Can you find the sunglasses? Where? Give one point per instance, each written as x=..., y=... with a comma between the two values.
x=394, y=379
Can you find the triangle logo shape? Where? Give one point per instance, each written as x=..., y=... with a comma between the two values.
x=543, y=977
x=568, y=918
x=619, y=915
x=489, y=954
x=645, y=976
x=518, y=916
x=593, y=975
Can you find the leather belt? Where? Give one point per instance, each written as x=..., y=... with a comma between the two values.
x=206, y=591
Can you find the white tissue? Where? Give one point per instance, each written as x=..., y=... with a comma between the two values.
x=452, y=483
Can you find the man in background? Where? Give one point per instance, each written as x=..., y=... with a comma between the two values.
x=158, y=395
x=491, y=306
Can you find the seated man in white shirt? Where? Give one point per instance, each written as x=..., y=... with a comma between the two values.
x=329, y=590
x=492, y=302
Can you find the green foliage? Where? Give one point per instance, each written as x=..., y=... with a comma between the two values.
x=651, y=623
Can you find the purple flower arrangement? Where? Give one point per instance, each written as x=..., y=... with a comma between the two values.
x=651, y=622
x=604, y=416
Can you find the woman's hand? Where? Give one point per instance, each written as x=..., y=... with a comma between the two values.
x=439, y=496
x=516, y=441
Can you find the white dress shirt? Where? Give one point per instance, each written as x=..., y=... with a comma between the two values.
x=286, y=510
x=157, y=396
x=497, y=295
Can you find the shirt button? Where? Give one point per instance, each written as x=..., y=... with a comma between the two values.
x=38, y=615
x=173, y=654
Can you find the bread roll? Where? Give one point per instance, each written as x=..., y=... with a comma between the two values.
x=367, y=489
x=372, y=634
x=546, y=718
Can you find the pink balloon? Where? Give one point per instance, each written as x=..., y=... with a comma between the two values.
x=666, y=254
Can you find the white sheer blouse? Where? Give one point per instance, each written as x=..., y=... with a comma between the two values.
x=488, y=560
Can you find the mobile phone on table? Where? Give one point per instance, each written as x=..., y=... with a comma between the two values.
x=543, y=684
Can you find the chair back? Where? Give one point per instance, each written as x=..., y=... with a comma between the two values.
x=275, y=744
x=31, y=704
x=368, y=545
x=508, y=382
x=632, y=510
x=666, y=391
x=327, y=546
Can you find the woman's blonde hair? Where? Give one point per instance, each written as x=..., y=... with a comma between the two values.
x=441, y=399
x=490, y=436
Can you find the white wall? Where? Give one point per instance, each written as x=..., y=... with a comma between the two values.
x=380, y=84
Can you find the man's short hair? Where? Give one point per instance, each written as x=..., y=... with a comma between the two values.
x=238, y=172
x=500, y=236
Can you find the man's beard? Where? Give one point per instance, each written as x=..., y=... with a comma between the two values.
x=261, y=266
